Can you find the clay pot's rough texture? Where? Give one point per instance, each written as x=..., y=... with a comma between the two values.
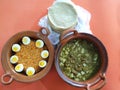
x=6, y=53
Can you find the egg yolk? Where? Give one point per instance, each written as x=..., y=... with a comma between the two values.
x=15, y=48
x=38, y=44
x=17, y=67
x=41, y=63
x=45, y=54
x=25, y=40
x=29, y=73
x=14, y=59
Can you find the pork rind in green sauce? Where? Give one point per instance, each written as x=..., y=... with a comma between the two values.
x=79, y=59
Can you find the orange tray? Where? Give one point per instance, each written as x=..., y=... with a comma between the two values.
x=22, y=15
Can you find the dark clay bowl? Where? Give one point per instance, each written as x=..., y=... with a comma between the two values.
x=6, y=53
x=99, y=79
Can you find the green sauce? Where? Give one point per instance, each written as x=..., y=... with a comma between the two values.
x=79, y=59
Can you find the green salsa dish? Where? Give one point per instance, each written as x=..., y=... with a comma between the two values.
x=79, y=59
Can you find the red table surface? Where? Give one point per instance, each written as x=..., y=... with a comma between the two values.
x=22, y=15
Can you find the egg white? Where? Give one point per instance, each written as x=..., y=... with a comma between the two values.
x=26, y=40
x=16, y=47
x=14, y=59
x=44, y=54
x=42, y=63
x=30, y=71
x=19, y=68
x=39, y=43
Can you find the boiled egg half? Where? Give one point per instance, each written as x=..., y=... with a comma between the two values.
x=26, y=40
x=19, y=68
x=16, y=47
x=39, y=43
x=14, y=59
x=44, y=54
x=42, y=63
x=30, y=71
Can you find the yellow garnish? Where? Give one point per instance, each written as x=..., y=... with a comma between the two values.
x=42, y=63
x=30, y=71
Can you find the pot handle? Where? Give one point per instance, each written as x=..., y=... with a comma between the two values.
x=99, y=84
x=44, y=31
x=64, y=33
x=4, y=76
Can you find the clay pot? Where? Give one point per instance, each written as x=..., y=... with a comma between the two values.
x=99, y=79
x=6, y=53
